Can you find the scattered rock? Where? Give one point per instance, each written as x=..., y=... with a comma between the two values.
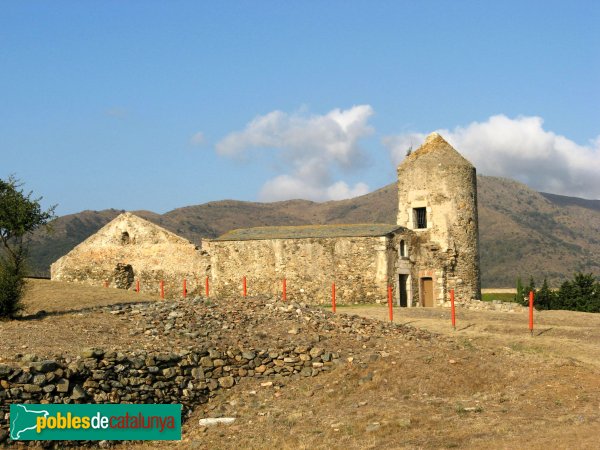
x=78, y=393
x=4, y=370
x=226, y=382
x=92, y=353
x=255, y=338
x=62, y=385
x=211, y=421
x=373, y=426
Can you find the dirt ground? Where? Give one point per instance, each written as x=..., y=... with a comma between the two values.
x=567, y=334
x=59, y=319
x=488, y=384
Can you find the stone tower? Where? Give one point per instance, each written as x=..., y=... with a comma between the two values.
x=437, y=200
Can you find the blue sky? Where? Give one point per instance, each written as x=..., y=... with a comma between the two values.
x=160, y=104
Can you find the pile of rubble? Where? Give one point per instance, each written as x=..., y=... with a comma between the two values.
x=201, y=346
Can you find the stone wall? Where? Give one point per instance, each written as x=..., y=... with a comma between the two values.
x=129, y=249
x=189, y=377
x=361, y=267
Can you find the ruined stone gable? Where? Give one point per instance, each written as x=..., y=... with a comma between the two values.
x=129, y=249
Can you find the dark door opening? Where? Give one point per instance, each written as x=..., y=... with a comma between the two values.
x=123, y=276
x=402, y=280
x=427, y=292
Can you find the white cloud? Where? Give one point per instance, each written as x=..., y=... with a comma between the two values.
x=313, y=146
x=341, y=190
x=198, y=138
x=288, y=187
x=520, y=149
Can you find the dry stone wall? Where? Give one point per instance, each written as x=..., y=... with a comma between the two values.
x=189, y=377
x=361, y=267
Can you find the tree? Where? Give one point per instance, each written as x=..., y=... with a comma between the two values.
x=520, y=295
x=20, y=215
x=580, y=294
x=527, y=289
x=544, y=297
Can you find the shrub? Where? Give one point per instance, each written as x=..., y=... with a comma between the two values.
x=20, y=215
x=522, y=295
x=12, y=285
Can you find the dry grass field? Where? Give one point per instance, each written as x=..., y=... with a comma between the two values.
x=68, y=324
x=489, y=384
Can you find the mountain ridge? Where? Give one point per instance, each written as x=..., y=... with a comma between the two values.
x=522, y=232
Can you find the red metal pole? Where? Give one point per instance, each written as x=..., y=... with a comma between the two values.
x=531, y=312
x=390, y=304
x=333, y=297
x=162, y=289
x=453, y=310
x=244, y=286
x=206, y=287
x=137, y=286
x=284, y=290
x=184, y=288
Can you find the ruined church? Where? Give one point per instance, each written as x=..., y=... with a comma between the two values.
x=432, y=248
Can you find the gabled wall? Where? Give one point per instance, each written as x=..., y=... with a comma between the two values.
x=129, y=249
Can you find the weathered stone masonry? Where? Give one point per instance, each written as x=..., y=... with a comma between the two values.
x=358, y=258
x=129, y=249
x=433, y=248
x=437, y=182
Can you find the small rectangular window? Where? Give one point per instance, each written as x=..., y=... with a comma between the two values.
x=420, y=217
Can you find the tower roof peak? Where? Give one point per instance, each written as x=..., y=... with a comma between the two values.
x=436, y=149
x=433, y=137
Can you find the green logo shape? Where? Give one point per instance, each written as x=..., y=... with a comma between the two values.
x=95, y=422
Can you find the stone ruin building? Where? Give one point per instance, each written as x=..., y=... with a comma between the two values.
x=128, y=249
x=432, y=249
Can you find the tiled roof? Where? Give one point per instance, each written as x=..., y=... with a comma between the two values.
x=309, y=231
